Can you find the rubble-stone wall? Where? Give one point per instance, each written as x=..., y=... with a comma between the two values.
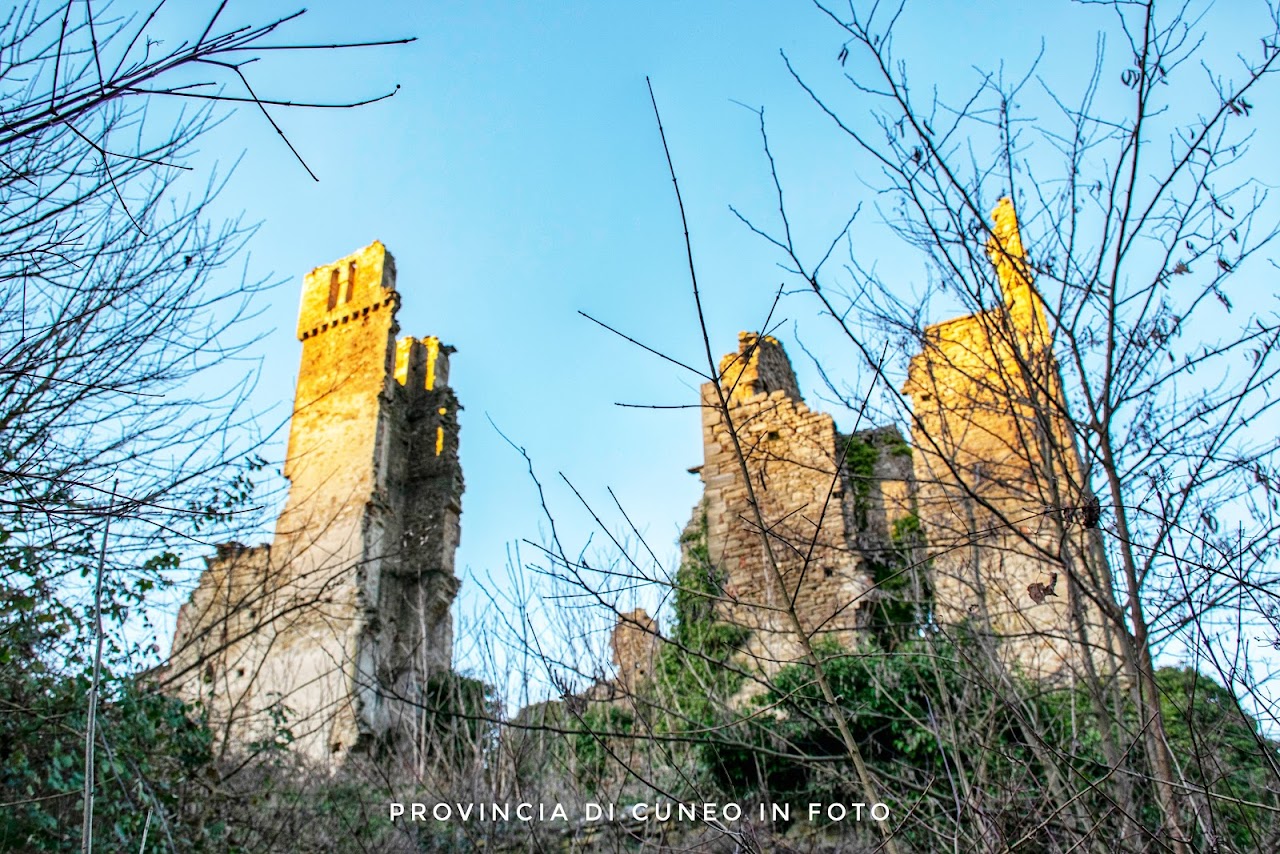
x=334, y=625
x=992, y=491
x=634, y=644
x=766, y=451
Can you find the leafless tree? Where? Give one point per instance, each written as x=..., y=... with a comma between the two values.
x=107, y=312
x=1094, y=461
x=113, y=308
x=1140, y=392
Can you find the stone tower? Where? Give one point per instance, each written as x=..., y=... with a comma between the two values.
x=987, y=513
x=1001, y=490
x=829, y=519
x=332, y=629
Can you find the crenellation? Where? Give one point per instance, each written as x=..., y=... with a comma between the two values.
x=338, y=622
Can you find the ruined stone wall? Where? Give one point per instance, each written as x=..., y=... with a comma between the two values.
x=825, y=522
x=993, y=483
x=634, y=645
x=331, y=628
x=995, y=464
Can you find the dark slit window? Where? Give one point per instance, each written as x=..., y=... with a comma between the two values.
x=351, y=280
x=333, y=288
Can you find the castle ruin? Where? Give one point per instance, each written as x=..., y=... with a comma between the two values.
x=1000, y=483
x=332, y=629
x=827, y=522
x=984, y=521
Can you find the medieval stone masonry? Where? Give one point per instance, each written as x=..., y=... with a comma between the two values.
x=982, y=522
x=333, y=628
x=1001, y=488
x=826, y=522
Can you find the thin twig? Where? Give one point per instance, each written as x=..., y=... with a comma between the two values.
x=86, y=832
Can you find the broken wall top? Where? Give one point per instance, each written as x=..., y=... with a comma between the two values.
x=760, y=366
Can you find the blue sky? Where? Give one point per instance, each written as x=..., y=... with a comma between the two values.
x=518, y=177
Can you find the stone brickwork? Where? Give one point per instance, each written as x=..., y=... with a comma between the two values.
x=990, y=496
x=826, y=518
x=995, y=465
x=635, y=648
x=331, y=627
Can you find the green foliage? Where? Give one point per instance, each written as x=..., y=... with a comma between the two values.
x=698, y=584
x=459, y=715
x=904, y=602
x=887, y=701
x=896, y=444
x=149, y=757
x=907, y=532
x=1221, y=748
x=692, y=679
x=110, y=423
x=291, y=808
x=861, y=453
x=600, y=725
x=692, y=675
x=929, y=712
x=155, y=756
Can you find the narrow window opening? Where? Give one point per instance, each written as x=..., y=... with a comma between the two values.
x=333, y=288
x=351, y=280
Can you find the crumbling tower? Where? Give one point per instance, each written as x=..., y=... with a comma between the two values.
x=1000, y=484
x=333, y=628
x=828, y=503
x=983, y=525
